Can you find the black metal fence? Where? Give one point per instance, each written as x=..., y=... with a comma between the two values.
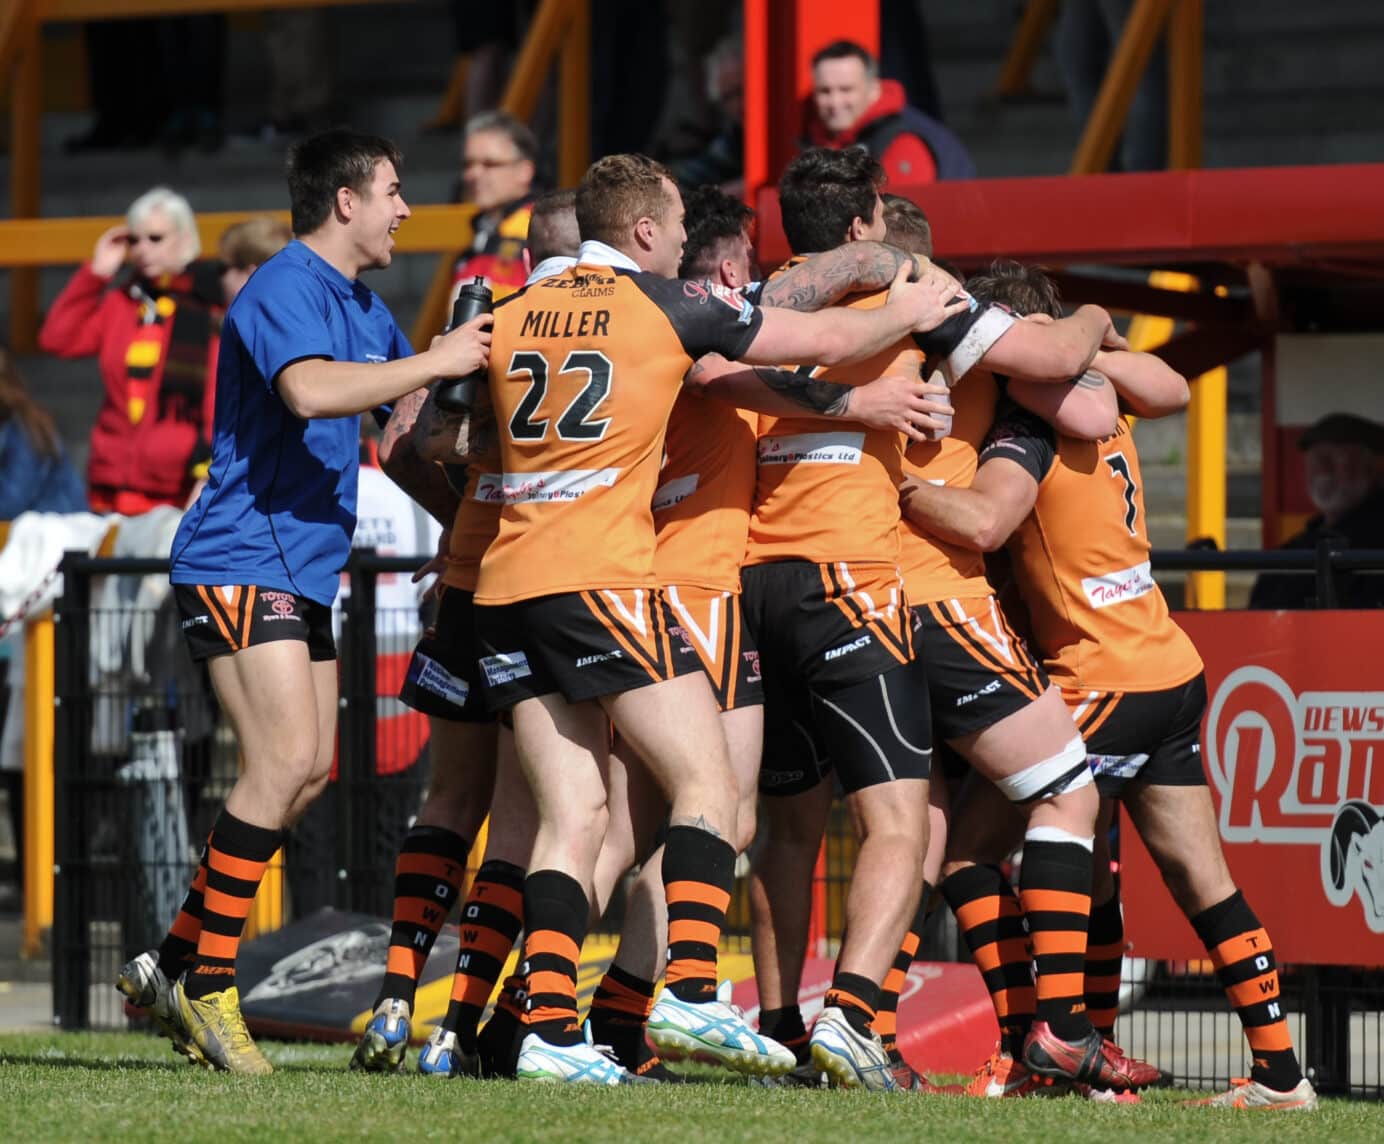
x=143, y=761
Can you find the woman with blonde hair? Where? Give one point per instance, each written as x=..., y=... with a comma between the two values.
x=151, y=312
x=247, y=244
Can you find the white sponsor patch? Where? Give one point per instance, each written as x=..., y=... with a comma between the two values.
x=1116, y=766
x=429, y=675
x=812, y=449
x=675, y=491
x=1117, y=587
x=559, y=485
x=505, y=667
x=846, y=649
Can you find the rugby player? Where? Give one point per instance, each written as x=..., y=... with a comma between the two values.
x=1071, y=516
x=257, y=559
x=572, y=625
x=442, y=682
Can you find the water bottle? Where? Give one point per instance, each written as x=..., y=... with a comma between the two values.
x=456, y=395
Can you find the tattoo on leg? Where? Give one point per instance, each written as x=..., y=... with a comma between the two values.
x=698, y=823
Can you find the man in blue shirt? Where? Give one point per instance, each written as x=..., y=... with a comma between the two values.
x=305, y=349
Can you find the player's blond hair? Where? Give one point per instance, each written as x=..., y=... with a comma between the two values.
x=616, y=193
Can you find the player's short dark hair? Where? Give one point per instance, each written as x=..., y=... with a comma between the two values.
x=822, y=192
x=510, y=126
x=846, y=50
x=1023, y=289
x=322, y=164
x=713, y=217
x=616, y=193
x=906, y=225
x=553, y=226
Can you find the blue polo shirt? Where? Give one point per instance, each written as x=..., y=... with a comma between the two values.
x=279, y=505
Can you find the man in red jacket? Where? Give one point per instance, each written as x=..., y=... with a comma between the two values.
x=852, y=107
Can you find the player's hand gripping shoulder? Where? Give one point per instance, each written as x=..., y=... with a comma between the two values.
x=920, y=410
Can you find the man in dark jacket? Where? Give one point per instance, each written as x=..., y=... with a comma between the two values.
x=851, y=106
x=1345, y=481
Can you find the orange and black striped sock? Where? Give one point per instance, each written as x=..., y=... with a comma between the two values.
x=427, y=880
x=1055, y=892
x=1243, y=956
x=179, y=947
x=857, y=997
x=491, y=918
x=887, y=1015
x=237, y=853
x=992, y=924
x=698, y=870
x=555, y=915
x=786, y=1027
x=619, y=1012
x=1105, y=946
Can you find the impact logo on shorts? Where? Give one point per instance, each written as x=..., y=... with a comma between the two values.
x=602, y=657
x=1332, y=795
x=505, y=667
x=846, y=649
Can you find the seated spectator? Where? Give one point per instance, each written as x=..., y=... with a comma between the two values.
x=244, y=246
x=851, y=106
x=1345, y=481
x=151, y=313
x=722, y=161
x=35, y=474
x=499, y=159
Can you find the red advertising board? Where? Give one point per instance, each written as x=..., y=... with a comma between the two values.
x=1293, y=745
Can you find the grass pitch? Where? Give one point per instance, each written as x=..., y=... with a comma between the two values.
x=124, y=1086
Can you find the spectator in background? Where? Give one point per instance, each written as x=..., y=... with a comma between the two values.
x=1087, y=33
x=35, y=474
x=1345, y=481
x=155, y=327
x=722, y=161
x=499, y=157
x=247, y=244
x=851, y=106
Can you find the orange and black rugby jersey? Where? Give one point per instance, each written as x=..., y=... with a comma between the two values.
x=705, y=490
x=827, y=491
x=932, y=568
x=476, y=522
x=1081, y=561
x=584, y=369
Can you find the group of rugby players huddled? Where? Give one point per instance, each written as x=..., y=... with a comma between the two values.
x=714, y=549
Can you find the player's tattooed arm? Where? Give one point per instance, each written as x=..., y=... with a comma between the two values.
x=424, y=480
x=905, y=405
x=1087, y=409
x=826, y=278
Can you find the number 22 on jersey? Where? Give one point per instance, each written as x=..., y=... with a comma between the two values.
x=574, y=424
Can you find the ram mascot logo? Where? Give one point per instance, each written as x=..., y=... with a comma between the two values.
x=1353, y=861
x=1307, y=769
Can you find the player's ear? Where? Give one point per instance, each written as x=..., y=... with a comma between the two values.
x=527, y=259
x=644, y=232
x=345, y=203
x=728, y=275
x=857, y=230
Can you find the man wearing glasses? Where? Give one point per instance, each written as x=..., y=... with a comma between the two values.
x=497, y=169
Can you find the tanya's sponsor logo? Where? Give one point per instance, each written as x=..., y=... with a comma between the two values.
x=490, y=488
x=676, y=491
x=1117, y=587
x=540, y=488
x=1304, y=768
x=812, y=449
